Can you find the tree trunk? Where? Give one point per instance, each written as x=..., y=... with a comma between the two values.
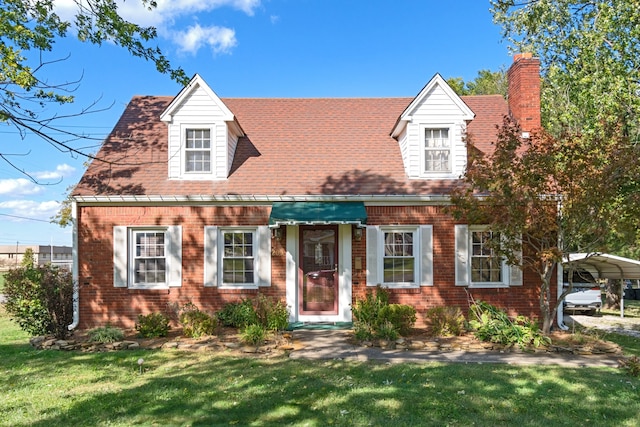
x=612, y=294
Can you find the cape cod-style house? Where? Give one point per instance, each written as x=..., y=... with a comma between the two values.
x=207, y=200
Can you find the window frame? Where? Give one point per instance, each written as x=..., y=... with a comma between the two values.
x=131, y=258
x=423, y=149
x=504, y=267
x=221, y=255
x=415, y=255
x=184, y=130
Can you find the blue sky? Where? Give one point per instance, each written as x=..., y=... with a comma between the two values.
x=242, y=48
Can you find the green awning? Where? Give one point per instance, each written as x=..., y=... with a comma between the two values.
x=317, y=213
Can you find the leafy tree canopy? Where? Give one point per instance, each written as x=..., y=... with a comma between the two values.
x=590, y=54
x=29, y=30
x=487, y=82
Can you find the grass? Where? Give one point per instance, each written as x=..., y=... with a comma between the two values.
x=631, y=309
x=43, y=388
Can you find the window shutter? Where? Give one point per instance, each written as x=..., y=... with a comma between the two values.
x=211, y=256
x=372, y=255
x=264, y=256
x=426, y=254
x=174, y=273
x=515, y=272
x=120, y=256
x=462, y=255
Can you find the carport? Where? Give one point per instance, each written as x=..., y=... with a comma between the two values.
x=603, y=266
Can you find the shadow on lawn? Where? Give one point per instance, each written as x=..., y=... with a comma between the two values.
x=177, y=389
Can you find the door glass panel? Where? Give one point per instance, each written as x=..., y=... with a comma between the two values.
x=319, y=287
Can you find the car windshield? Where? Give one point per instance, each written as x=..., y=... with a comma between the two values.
x=580, y=277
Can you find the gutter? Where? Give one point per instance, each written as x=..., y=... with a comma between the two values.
x=75, y=273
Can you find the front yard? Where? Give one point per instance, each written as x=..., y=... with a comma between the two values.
x=42, y=388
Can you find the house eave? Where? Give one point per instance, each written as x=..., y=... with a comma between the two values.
x=372, y=200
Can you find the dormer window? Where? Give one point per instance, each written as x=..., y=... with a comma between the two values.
x=198, y=150
x=437, y=150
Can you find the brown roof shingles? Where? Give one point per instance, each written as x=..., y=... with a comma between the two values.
x=292, y=147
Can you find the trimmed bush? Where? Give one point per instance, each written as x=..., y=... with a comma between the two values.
x=272, y=314
x=445, y=321
x=402, y=317
x=253, y=334
x=153, y=325
x=196, y=323
x=238, y=314
x=106, y=334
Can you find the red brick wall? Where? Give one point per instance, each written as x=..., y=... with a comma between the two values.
x=101, y=302
x=516, y=300
x=524, y=91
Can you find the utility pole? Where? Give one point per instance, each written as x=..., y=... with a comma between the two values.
x=17, y=253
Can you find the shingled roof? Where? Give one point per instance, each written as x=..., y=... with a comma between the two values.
x=320, y=146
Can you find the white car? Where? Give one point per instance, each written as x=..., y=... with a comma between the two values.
x=585, y=295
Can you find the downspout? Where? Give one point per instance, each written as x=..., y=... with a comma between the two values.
x=74, y=270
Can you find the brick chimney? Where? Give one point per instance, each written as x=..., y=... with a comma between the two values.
x=524, y=91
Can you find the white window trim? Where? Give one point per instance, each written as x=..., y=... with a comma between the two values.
x=423, y=169
x=214, y=245
x=504, y=267
x=184, y=127
x=123, y=256
x=422, y=252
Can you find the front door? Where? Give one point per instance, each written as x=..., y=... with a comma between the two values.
x=318, y=287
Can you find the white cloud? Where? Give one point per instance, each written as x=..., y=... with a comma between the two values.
x=62, y=171
x=30, y=208
x=219, y=39
x=165, y=15
x=19, y=186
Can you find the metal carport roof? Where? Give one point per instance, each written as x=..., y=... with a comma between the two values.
x=605, y=266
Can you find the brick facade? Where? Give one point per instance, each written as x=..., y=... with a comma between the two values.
x=101, y=302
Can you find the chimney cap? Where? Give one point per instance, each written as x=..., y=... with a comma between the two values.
x=525, y=55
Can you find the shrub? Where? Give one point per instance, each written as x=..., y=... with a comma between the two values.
x=445, y=321
x=631, y=365
x=366, y=310
x=402, y=317
x=253, y=334
x=106, y=334
x=494, y=325
x=196, y=323
x=387, y=330
x=272, y=314
x=152, y=325
x=238, y=314
x=362, y=331
x=40, y=299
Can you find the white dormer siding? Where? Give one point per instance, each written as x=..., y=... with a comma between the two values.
x=437, y=110
x=197, y=108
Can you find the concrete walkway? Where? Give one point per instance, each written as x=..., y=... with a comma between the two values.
x=334, y=344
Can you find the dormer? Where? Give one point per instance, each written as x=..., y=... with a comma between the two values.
x=431, y=132
x=203, y=134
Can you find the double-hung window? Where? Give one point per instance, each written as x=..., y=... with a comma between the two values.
x=437, y=150
x=486, y=265
x=237, y=257
x=399, y=263
x=238, y=262
x=400, y=256
x=198, y=150
x=149, y=258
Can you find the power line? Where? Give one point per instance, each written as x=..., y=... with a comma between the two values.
x=24, y=217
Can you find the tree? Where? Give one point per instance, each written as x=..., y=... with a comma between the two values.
x=29, y=32
x=487, y=82
x=590, y=55
x=546, y=197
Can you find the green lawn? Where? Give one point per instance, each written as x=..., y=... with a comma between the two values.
x=44, y=388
